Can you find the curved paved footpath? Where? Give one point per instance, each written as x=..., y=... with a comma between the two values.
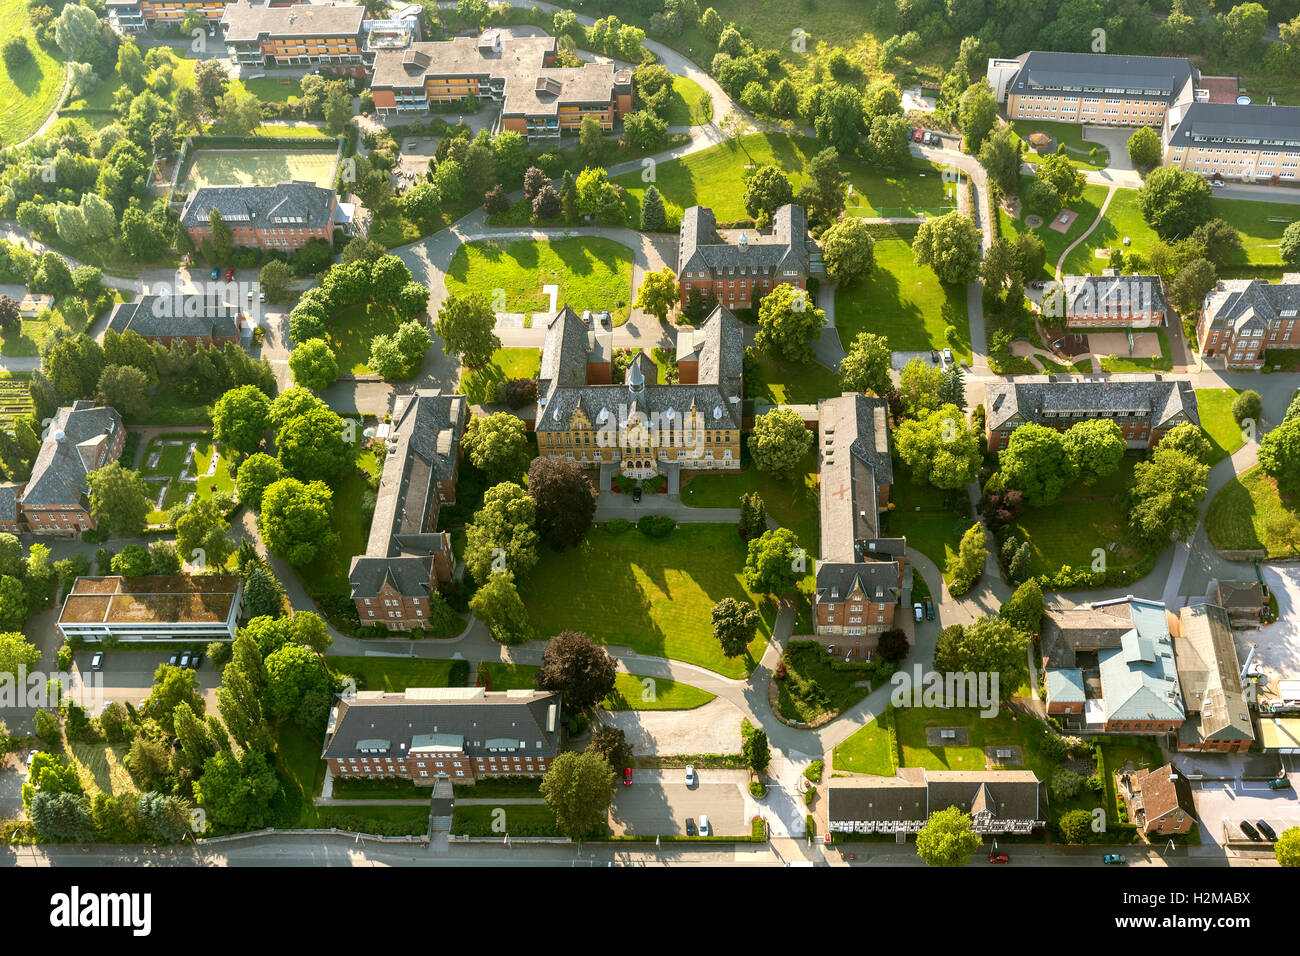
x=1101, y=214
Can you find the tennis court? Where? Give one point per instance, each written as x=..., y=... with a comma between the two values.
x=233, y=167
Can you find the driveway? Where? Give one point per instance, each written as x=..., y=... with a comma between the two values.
x=1220, y=804
x=13, y=772
x=658, y=802
x=1115, y=139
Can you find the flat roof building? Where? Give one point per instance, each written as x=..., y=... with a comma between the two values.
x=152, y=608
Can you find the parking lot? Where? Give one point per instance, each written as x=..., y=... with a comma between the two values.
x=1229, y=803
x=128, y=676
x=658, y=803
x=1278, y=650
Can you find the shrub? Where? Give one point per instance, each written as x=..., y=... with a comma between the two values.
x=617, y=526
x=219, y=652
x=520, y=392
x=656, y=526
x=814, y=771
x=809, y=796
x=757, y=790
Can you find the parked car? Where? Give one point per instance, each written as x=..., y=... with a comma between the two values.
x=627, y=776
x=1218, y=183
x=918, y=135
x=1117, y=858
x=999, y=858
x=185, y=659
x=1279, y=783
x=175, y=659
x=1267, y=830
x=704, y=825
x=1251, y=832
x=215, y=273
x=30, y=757
x=690, y=775
x=919, y=612
x=933, y=139
x=947, y=356
x=230, y=273
x=934, y=356
x=97, y=661
x=636, y=494
x=690, y=826
x=195, y=660
x=929, y=610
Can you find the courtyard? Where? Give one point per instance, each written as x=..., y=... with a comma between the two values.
x=181, y=467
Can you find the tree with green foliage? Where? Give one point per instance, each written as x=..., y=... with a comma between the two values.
x=498, y=444
x=1144, y=147
x=203, y=535
x=292, y=672
x=498, y=605
x=316, y=444
x=918, y=387
x=653, y=216
x=849, y=251
x=766, y=190
x=313, y=365
x=1165, y=497
x=977, y=113
x=822, y=193
x=171, y=687
x=965, y=567
x=1190, y=439
x=578, y=788
x=989, y=645
x=1074, y=827
x=257, y=473
x=1247, y=407
x=503, y=535
x=779, y=442
x=788, y=324
x=237, y=792
x=950, y=245
x=756, y=751
x=659, y=293
x=297, y=520
x=578, y=668
x=1174, y=201
x=1190, y=286
x=119, y=500
x=774, y=562
x=1066, y=178
x=1095, y=448
x=947, y=839
x=240, y=418
x=753, y=516
x=866, y=366
x=1000, y=157
x=466, y=325
x=1279, y=454
x=734, y=625
x=1037, y=462
x=1024, y=609
x=939, y=448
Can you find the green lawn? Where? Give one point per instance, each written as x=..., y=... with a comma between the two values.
x=689, y=105
x=350, y=331
x=654, y=595
x=715, y=177
x=273, y=89
x=29, y=94
x=778, y=382
x=792, y=504
x=170, y=463
x=27, y=342
x=1261, y=225
x=1249, y=513
x=1067, y=531
x=919, y=515
x=592, y=273
x=515, y=819
x=869, y=750
x=631, y=691
x=813, y=687
x=328, y=574
x=1123, y=219
x=1007, y=728
x=904, y=302
x=1055, y=242
x=1215, y=408
x=480, y=386
x=393, y=673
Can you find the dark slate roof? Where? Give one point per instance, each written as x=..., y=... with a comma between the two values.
x=1089, y=295
x=1210, y=676
x=70, y=451
x=181, y=314
x=1162, y=402
x=422, y=450
x=410, y=719
x=912, y=796
x=292, y=204
x=9, y=501
x=853, y=460
x=878, y=579
x=1237, y=125
x=1155, y=77
x=1252, y=305
x=563, y=390
x=1066, y=631
x=783, y=248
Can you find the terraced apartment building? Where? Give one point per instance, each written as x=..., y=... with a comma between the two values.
x=406, y=555
x=1102, y=88
x=538, y=99
x=859, y=580
x=132, y=16
x=640, y=428
x=285, y=216
x=1143, y=406
x=736, y=268
x=1241, y=319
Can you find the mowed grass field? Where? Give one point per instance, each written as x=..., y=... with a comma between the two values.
x=171, y=462
x=1123, y=220
x=1214, y=405
x=1249, y=513
x=715, y=177
x=1055, y=242
x=28, y=94
x=869, y=750
x=654, y=595
x=1261, y=225
x=479, y=386
x=234, y=167
x=631, y=691
x=904, y=302
x=591, y=272
x=689, y=104
x=920, y=516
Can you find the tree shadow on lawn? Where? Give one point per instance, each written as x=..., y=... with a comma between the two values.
x=28, y=79
x=580, y=258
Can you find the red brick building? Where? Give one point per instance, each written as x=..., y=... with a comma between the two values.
x=460, y=734
x=1144, y=407
x=199, y=318
x=407, y=557
x=736, y=268
x=1209, y=677
x=1159, y=801
x=1241, y=319
x=286, y=216
x=82, y=438
x=1104, y=301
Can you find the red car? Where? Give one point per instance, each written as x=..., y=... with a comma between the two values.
x=999, y=858
x=917, y=135
x=627, y=776
x=230, y=273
